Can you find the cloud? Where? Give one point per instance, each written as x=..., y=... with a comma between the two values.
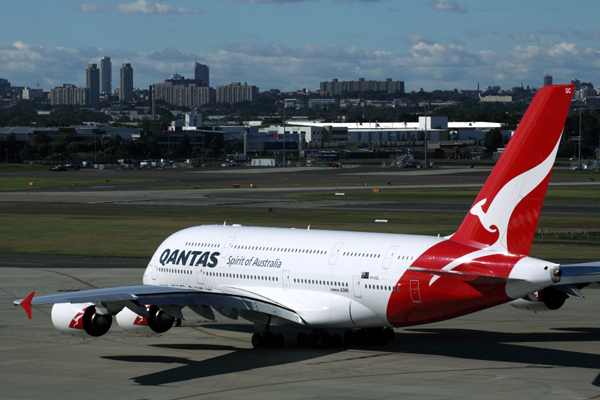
x=140, y=7
x=590, y=34
x=449, y=6
x=524, y=37
x=298, y=1
x=553, y=31
x=416, y=38
x=426, y=64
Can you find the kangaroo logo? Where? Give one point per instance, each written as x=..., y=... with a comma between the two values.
x=498, y=214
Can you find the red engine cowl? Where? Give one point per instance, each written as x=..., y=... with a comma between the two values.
x=159, y=321
x=80, y=320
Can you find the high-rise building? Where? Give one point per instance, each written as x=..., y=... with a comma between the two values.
x=335, y=87
x=201, y=74
x=4, y=86
x=236, y=92
x=547, y=80
x=92, y=82
x=126, y=83
x=105, y=76
x=70, y=94
x=183, y=92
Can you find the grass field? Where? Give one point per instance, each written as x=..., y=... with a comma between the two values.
x=575, y=196
x=137, y=232
x=19, y=183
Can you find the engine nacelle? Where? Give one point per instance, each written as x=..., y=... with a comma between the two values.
x=548, y=299
x=159, y=321
x=80, y=320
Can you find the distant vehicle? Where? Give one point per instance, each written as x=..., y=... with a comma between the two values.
x=58, y=168
x=337, y=165
x=73, y=166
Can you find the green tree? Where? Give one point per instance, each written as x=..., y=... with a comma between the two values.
x=492, y=140
x=213, y=148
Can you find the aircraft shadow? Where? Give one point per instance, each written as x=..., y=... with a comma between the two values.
x=455, y=343
x=503, y=347
x=237, y=361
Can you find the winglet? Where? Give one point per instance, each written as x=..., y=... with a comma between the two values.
x=26, y=304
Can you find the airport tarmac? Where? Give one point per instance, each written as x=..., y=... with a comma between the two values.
x=494, y=354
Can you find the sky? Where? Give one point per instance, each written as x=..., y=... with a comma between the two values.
x=295, y=44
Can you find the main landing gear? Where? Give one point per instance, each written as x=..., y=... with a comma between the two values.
x=267, y=339
x=319, y=340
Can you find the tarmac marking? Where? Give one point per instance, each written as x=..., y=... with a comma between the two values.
x=360, y=376
x=354, y=358
x=70, y=276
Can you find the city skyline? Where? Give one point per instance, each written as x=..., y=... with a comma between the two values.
x=437, y=44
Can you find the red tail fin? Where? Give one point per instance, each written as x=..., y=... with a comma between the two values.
x=505, y=214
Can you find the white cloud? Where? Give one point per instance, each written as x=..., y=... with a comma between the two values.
x=427, y=65
x=140, y=7
x=449, y=6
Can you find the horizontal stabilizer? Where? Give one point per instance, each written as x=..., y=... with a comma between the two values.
x=579, y=273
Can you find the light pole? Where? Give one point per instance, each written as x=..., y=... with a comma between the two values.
x=284, y=132
x=579, y=162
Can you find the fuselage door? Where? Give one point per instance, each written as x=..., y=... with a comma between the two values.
x=334, y=252
x=200, y=274
x=387, y=261
x=225, y=251
x=415, y=293
x=286, y=280
x=356, y=286
x=153, y=271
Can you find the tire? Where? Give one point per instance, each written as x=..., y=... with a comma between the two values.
x=335, y=341
x=322, y=341
x=268, y=339
x=302, y=340
x=349, y=338
x=279, y=340
x=256, y=340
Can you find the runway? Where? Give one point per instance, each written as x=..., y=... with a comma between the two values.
x=495, y=354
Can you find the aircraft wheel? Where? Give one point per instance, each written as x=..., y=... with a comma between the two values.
x=302, y=340
x=268, y=339
x=256, y=340
x=361, y=337
x=312, y=340
x=279, y=341
x=336, y=341
x=323, y=341
x=389, y=332
x=349, y=337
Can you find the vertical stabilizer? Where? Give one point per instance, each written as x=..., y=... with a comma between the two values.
x=505, y=214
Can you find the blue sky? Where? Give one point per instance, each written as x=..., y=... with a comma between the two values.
x=295, y=44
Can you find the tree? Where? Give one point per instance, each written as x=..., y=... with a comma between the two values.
x=492, y=140
x=213, y=148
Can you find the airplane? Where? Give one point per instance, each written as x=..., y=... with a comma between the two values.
x=362, y=285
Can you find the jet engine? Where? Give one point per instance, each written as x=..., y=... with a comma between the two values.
x=80, y=320
x=548, y=299
x=158, y=322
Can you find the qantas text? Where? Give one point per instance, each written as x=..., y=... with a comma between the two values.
x=191, y=258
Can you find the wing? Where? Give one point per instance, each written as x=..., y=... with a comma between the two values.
x=134, y=297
